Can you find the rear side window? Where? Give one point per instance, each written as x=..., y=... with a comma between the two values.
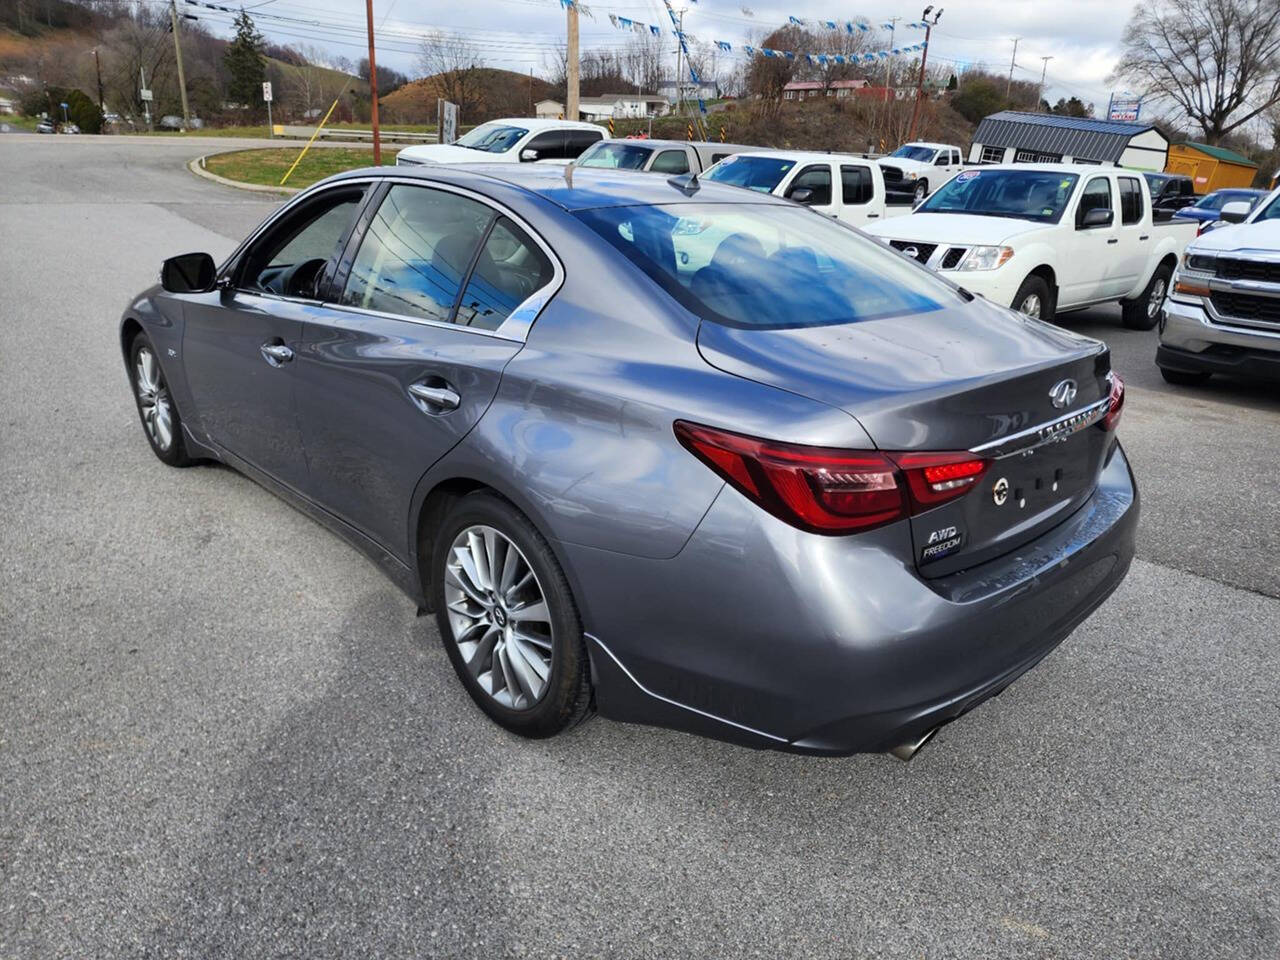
x=510, y=269
x=1130, y=200
x=670, y=161
x=416, y=253
x=816, y=178
x=1095, y=196
x=855, y=183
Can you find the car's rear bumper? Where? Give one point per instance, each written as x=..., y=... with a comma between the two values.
x=763, y=635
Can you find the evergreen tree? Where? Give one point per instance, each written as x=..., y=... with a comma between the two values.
x=245, y=63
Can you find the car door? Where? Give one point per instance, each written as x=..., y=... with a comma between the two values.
x=1087, y=252
x=858, y=194
x=435, y=293
x=815, y=177
x=1130, y=262
x=240, y=343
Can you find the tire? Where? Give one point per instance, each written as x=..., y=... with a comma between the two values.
x=921, y=191
x=1185, y=378
x=1143, y=312
x=484, y=627
x=1034, y=298
x=161, y=423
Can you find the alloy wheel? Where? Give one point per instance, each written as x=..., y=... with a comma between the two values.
x=153, y=398
x=1158, y=287
x=499, y=616
x=1030, y=305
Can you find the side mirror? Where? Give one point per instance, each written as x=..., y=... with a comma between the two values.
x=801, y=195
x=1235, y=212
x=528, y=155
x=188, y=273
x=1097, y=217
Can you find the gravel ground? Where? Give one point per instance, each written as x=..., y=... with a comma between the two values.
x=224, y=734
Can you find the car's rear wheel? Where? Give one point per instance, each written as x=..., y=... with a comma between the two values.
x=1184, y=378
x=1034, y=298
x=160, y=420
x=508, y=619
x=1143, y=312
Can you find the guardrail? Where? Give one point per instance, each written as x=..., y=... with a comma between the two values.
x=291, y=130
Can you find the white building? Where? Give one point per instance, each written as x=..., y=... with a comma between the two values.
x=689, y=91
x=614, y=105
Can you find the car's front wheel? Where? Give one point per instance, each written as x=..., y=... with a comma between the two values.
x=1034, y=298
x=159, y=415
x=508, y=618
x=922, y=190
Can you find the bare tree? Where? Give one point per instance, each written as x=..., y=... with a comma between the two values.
x=1217, y=61
x=451, y=63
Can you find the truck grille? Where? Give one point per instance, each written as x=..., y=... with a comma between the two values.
x=923, y=251
x=1242, y=306
x=891, y=174
x=1260, y=270
x=951, y=259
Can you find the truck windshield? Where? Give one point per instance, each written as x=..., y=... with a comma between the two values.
x=616, y=156
x=1039, y=195
x=908, y=152
x=767, y=265
x=492, y=137
x=754, y=173
x=1271, y=211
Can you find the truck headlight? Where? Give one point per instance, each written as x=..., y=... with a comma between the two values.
x=911, y=176
x=985, y=258
x=1199, y=262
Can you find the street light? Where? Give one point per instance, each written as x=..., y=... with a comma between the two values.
x=928, y=29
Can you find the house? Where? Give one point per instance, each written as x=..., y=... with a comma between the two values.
x=808, y=89
x=702, y=90
x=7, y=106
x=1011, y=136
x=1211, y=168
x=614, y=105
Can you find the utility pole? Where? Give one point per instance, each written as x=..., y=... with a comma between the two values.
x=680, y=64
x=1012, y=60
x=924, y=57
x=102, y=109
x=182, y=77
x=1043, y=69
x=146, y=104
x=571, y=67
x=893, y=26
x=373, y=89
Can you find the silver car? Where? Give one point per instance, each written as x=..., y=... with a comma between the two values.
x=667, y=451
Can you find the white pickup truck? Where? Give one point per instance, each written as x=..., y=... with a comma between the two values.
x=511, y=140
x=841, y=186
x=915, y=169
x=1223, y=311
x=1047, y=238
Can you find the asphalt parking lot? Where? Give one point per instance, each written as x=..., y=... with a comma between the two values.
x=224, y=734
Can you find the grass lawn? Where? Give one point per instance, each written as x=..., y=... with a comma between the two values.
x=269, y=165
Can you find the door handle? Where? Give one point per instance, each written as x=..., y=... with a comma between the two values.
x=1145, y=236
x=435, y=399
x=1113, y=240
x=276, y=353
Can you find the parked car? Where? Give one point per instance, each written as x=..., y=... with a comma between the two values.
x=915, y=169
x=657, y=156
x=68, y=128
x=669, y=451
x=1170, y=192
x=1223, y=310
x=46, y=126
x=1208, y=209
x=841, y=186
x=517, y=140
x=1047, y=238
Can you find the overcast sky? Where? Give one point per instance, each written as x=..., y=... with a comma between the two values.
x=1082, y=36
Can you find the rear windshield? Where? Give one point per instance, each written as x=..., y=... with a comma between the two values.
x=754, y=173
x=766, y=265
x=616, y=156
x=1022, y=194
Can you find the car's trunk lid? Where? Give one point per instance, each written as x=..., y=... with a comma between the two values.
x=967, y=378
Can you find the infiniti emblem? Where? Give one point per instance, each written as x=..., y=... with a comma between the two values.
x=1063, y=393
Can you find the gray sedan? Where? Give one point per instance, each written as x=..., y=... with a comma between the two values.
x=666, y=451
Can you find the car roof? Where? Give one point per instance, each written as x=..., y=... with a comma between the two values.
x=655, y=142
x=930, y=145
x=572, y=188
x=1249, y=191
x=543, y=123
x=1062, y=168
x=799, y=155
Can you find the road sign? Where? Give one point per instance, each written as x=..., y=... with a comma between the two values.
x=447, y=120
x=146, y=95
x=266, y=91
x=64, y=105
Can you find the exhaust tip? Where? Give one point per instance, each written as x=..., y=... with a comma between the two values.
x=905, y=751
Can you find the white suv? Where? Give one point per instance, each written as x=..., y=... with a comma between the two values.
x=515, y=140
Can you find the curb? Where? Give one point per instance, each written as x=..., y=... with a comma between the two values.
x=196, y=166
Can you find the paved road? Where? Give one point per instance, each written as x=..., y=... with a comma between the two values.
x=224, y=734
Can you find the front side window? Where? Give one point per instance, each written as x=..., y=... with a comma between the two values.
x=755, y=173
x=289, y=259
x=816, y=178
x=1271, y=211
x=492, y=137
x=767, y=265
x=1095, y=196
x=670, y=161
x=616, y=156
x=856, y=184
x=1130, y=200
x=1022, y=194
x=416, y=253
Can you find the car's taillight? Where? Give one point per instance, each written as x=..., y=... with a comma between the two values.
x=828, y=490
x=1116, y=406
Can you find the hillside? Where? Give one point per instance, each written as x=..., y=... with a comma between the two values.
x=491, y=92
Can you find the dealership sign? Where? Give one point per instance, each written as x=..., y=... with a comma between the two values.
x=1124, y=106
